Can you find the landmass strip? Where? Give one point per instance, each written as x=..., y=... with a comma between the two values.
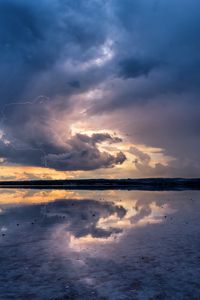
x=109, y=184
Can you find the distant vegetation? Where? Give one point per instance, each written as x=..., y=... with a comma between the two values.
x=93, y=184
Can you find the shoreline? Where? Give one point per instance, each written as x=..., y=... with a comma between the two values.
x=149, y=184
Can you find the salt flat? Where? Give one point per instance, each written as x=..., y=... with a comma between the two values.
x=99, y=245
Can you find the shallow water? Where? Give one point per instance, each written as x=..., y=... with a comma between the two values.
x=99, y=245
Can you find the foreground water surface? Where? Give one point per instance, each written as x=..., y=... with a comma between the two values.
x=99, y=245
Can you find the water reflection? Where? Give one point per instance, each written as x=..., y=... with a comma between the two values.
x=98, y=244
x=101, y=218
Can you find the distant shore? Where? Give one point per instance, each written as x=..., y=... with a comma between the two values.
x=155, y=184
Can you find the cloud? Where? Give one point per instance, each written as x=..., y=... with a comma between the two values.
x=145, y=167
x=79, y=152
x=83, y=154
x=141, y=156
x=133, y=67
x=157, y=50
x=37, y=39
x=155, y=89
x=34, y=136
x=144, y=63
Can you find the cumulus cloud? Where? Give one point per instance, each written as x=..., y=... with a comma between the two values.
x=83, y=154
x=32, y=136
x=144, y=166
x=142, y=157
x=80, y=152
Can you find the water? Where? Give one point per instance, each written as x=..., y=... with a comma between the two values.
x=99, y=245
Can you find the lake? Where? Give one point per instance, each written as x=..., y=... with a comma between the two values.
x=137, y=245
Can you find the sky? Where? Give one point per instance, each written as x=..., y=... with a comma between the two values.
x=99, y=89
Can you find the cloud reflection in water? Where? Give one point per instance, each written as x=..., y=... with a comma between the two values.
x=85, y=245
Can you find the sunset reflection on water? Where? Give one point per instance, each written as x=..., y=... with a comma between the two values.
x=84, y=239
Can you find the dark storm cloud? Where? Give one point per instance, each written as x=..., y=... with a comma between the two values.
x=96, y=138
x=156, y=88
x=36, y=37
x=57, y=48
x=173, y=126
x=157, y=49
x=34, y=141
x=83, y=154
x=42, y=45
x=41, y=33
x=133, y=67
x=80, y=152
